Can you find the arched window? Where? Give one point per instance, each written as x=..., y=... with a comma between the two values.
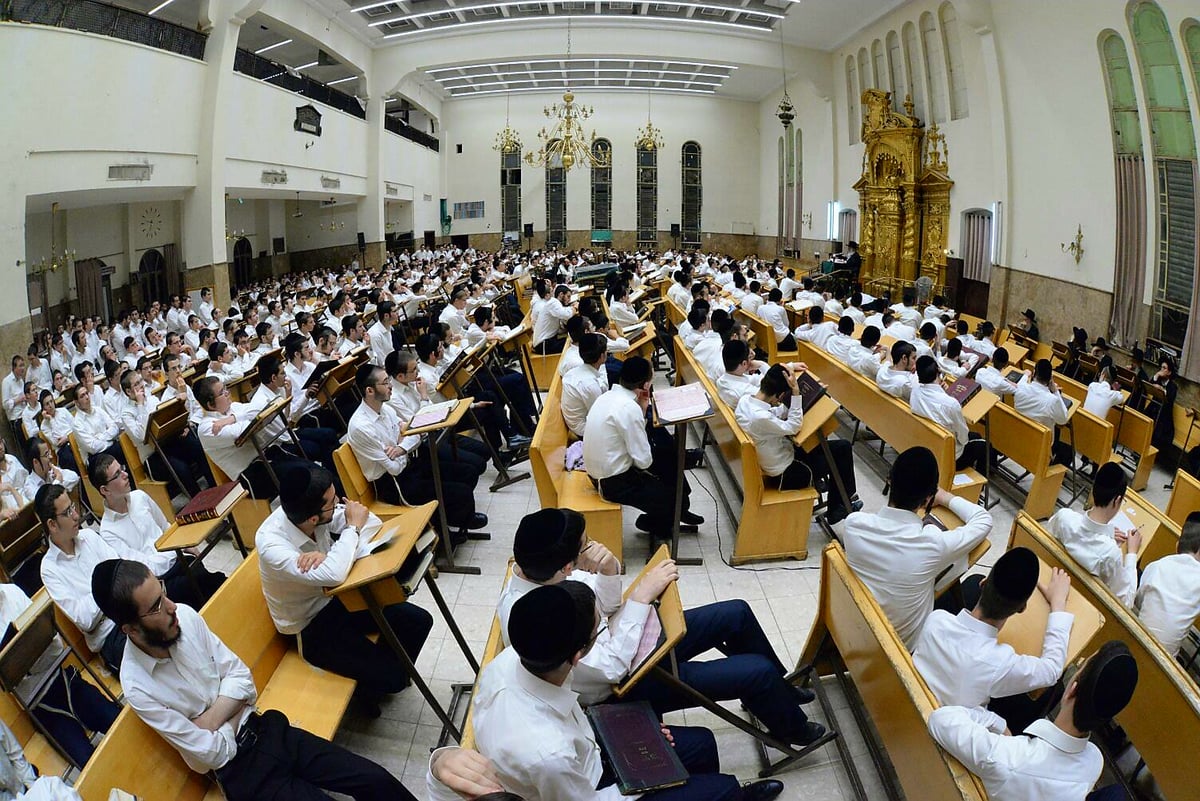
x=556, y=202
x=865, y=81
x=780, y=224
x=935, y=69
x=243, y=262
x=1174, y=146
x=602, y=190
x=152, y=276
x=955, y=70
x=647, y=197
x=1191, y=41
x=852, y=101
x=897, y=79
x=692, y=194
x=880, y=72
x=510, y=193
x=976, y=245
x=912, y=66
x=1130, y=168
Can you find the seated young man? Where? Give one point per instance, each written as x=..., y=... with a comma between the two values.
x=185, y=684
x=551, y=546
x=1094, y=542
x=784, y=463
x=963, y=663
x=817, y=330
x=309, y=543
x=554, y=755
x=774, y=315
x=43, y=470
x=899, y=377
x=410, y=394
x=867, y=355
x=898, y=555
x=184, y=452
x=1168, y=596
x=618, y=456
x=991, y=375
x=223, y=422
x=1055, y=758
x=929, y=400
x=1038, y=397
x=95, y=431
x=133, y=521
x=583, y=385
x=317, y=442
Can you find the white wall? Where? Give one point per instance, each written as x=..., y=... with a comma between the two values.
x=727, y=131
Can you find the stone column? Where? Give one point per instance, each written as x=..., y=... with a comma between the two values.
x=371, y=207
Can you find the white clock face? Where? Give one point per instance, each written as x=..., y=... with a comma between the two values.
x=151, y=223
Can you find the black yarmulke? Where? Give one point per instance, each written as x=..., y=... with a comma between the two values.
x=1104, y=688
x=1015, y=575
x=538, y=532
x=541, y=626
x=914, y=472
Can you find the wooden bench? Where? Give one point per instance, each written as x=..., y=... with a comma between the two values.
x=773, y=523
x=136, y=759
x=357, y=488
x=892, y=419
x=494, y=645
x=570, y=489
x=852, y=635
x=764, y=335
x=95, y=500
x=1127, y=427
x=1185, y=497
x=157, y=490
x=1165, y=710
x=1028, y=443
x=22, y=541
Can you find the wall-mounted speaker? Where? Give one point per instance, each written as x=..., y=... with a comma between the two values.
x=529, y=230
x=674, y=229
x=277, y=245
x=362, y=241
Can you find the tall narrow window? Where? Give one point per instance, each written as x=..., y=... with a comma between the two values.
x=896, y=76
x=789, y=191
x=602, y=192
x=780, y=225
x=510, y=194
x=935, y=69
x=879, y=64
x=852, y=101
x=1174, y=145
x=647, y=197
x=912, y=65
x=976, y=245
x=955, y=71
x=1129, y=275
x=693, y=196
x=865, y=81
x=1191, y=41
x=797, y=190
x=556, y=203
x=847, y=226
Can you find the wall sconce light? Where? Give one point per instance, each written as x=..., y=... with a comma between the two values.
x=331, y=226
x=1075, y=248
x=806, y=220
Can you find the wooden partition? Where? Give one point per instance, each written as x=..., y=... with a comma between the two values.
x=1185, y=497
x=852, y=634
x=765, y=336
x=1028, y=443
x=1164, y=712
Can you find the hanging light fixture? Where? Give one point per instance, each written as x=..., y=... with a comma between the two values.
x=507, y=141
x=57, y=260
x=565, y=143
x=786, y=112
x=649, y=137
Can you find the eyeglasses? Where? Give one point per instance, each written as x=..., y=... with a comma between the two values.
x=157, y=607
x=603, y=628
x=70, y=511
x=121, y=471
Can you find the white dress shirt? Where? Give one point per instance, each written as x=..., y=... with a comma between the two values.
x=134, y=418
x=68, y=581
x=570, y=359
x=1044, y=763
x=899, y=557
x=550, y=321
x=167, y=694
x=370, y=433
x=788, y=287
x=731, y=387
x=931, y=402
x=14, y=474
x=94, y=431
x=58, y=427
x=13, y=389
x=840, y=346
x=772, y=436
x=457, y=320
x=67, y=478
x=899, y=330
x=622, y=314
x=1168, y=598
x=138, y=530
x=777, y=317
x=194, y=409
x=381, y=343
x=964, y=665
x=581, y=387
x=818, y=334
x=556, y=756
x=896, y=382
x=221, y=447
x=611, y=657
x=1101, y=397
x=1038, y=403
x=752, y=302
x=1094, y=546
x=994, y=381
x=295, y=597
x=614, y=438
x=864, y=361
x=682, y=297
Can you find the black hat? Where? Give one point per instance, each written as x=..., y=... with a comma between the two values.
x=541, y=626
x=914, y=472
x=1081, y=334
x=1105, y=685
x=852, y=245
x=1015, y=575
x=1100, y=343
x=1137, y=354
x=540, y=530
x=1029, y=313
x=102, y=584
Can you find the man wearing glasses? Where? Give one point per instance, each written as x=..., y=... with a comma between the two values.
x=133, y=521
x=186, y=684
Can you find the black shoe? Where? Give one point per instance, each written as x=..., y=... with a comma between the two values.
x=458, y=537
x=763, y=790
x=804, y=695
x=643, y=524
x=478, y=520
x=693, y=459
x=836, y=514
x=808, y=735
x=691, y=519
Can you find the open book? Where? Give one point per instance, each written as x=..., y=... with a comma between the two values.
x=432, y=414
x=636, y=328
x=687, y=402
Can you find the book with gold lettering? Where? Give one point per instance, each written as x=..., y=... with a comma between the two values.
x=631, y=737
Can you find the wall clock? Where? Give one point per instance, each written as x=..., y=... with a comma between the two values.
x=151, y=222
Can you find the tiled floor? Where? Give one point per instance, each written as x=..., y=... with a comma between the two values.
x=783, y=595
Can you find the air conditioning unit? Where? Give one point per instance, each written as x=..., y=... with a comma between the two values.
x=130, y=172
x=274, y=176
x=329, y=182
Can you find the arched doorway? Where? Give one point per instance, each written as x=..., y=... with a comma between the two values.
x=243, y=262
x=152, y=277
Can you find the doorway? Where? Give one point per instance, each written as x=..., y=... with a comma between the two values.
x=243, y=262
x=152, y=277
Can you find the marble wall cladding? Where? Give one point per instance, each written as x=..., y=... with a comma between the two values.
x=322, y=258
x=14, y=339
x=213, y=275
x=1059, y=305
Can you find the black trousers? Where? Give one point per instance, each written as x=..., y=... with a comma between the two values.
x=70, y=706
x=550, y=346
x=644, y=490
x=788, y=343
x=813, y=464
x=66, y=459
x=336, y=640
x=186, y=456
x=282, y=763
x=258, y=480
x=974, y=454
x=463, y=452
x=195, y=589
x=415, y=486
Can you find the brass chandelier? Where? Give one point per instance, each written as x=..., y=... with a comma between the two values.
x=565, y=144
x=57, y=260
x=648, y=136
x=507, y=140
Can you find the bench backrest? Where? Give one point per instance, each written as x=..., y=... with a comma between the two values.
x=1185, y=497
x=899, y=702
x=353, y=479
x=237, y=613
x=1025, y=441
x=21, y=539
x=549, y=443
x=1165, y=709
x=886, y=415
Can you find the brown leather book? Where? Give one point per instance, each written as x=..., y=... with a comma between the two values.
x=208, y=504
x=963, y=389
x=630, y=735
x=811, y=390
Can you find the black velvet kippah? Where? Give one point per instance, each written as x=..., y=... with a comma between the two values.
x=1015, y=575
